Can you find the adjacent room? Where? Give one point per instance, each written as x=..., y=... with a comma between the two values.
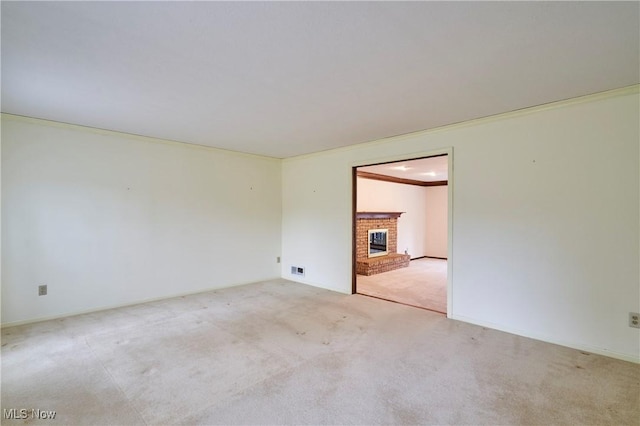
x=181, y=185
x=407, y=200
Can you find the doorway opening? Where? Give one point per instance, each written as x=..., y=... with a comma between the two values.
x=410, y=201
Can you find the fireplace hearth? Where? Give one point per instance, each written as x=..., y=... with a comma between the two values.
x=377, y=243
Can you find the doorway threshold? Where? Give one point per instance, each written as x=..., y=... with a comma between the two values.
x=403, y=303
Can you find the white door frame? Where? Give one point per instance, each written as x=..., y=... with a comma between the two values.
x=406, y=157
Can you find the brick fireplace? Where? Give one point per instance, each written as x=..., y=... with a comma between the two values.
x=366, y=265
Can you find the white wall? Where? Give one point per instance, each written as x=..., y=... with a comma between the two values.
x=376, y=195
x=436, y=215
x=107, y=219
x=545, y=219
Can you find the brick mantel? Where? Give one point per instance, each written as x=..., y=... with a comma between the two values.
x=378, y=215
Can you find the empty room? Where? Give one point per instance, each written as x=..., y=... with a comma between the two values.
x=401, y=232
x=180, y=212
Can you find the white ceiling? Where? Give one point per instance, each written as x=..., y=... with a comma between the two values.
x=425, y=169
x=288, y=78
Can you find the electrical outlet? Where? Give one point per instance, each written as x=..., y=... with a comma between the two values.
x=42, y=290
x=278, y=259
x=634, y=319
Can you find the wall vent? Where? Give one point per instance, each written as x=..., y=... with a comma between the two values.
x=297, y=270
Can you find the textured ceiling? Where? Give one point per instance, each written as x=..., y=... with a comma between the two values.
x=430, y=169
x=289, y=78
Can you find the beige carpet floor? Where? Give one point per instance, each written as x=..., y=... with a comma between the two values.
x=277, y=352
x=422, y=284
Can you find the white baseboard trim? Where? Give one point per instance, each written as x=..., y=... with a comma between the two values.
x=123, y=305
x=548, y=339
x=312, y=284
